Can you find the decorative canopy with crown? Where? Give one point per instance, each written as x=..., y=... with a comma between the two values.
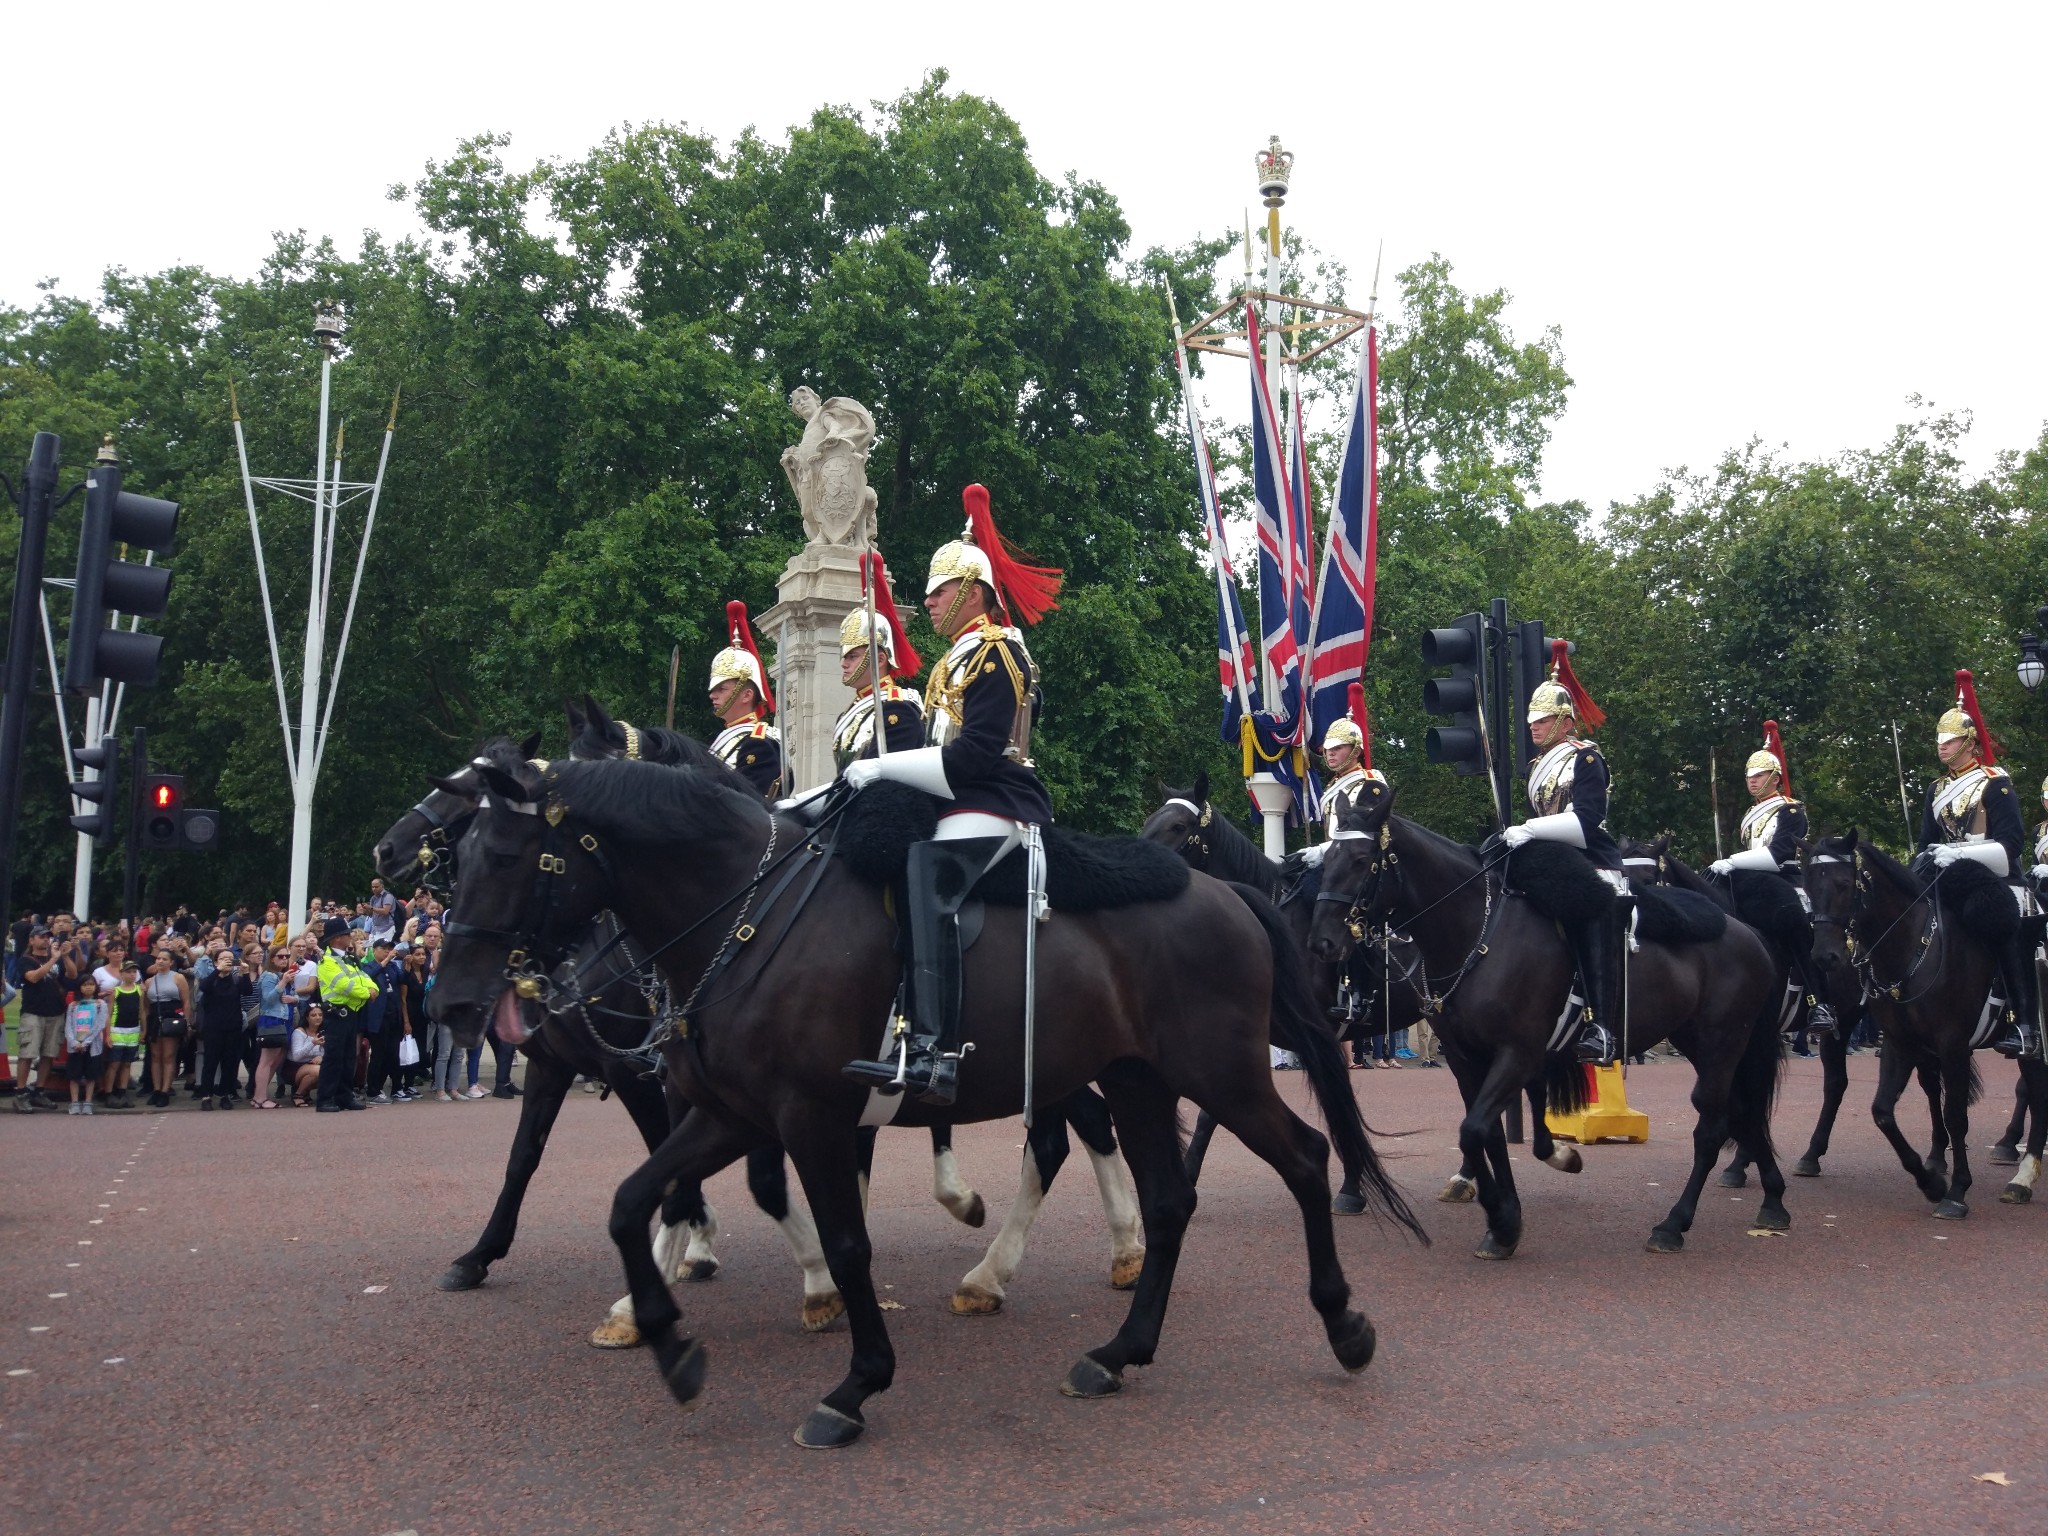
x=1966, y=719
x=1023, y=592
x=1563, y=694
x=889, y=636
x=1770, y=758
x=740, y=661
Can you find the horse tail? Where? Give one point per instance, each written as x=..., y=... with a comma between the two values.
x=1567, y=1084
x=1753, y=1094
x=1298, y=1026
x=1976, y=1081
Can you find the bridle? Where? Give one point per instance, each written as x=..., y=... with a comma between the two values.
x=1198, y=839
x=1863, y=952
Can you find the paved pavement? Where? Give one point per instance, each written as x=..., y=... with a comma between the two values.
x=228, y=1323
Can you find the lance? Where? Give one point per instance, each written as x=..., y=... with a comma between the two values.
x=675, y=662
x=1714, y=794
x=1899, y=762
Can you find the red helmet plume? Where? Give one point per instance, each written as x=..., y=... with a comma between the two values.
x=740, y=661
x=1589, y=714
x=1026, y=591
x=1774, y=744
x=906, y=662
x=1966, y=700
x=1355, y=696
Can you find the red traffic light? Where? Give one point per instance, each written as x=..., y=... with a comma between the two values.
x=164, y=797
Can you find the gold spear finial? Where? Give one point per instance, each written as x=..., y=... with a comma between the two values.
x=234, y=405
x=391, y=422
x=106, y=455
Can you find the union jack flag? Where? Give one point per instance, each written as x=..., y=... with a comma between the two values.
x=1342, y=631
x=1278, y=561
x=1236, y=668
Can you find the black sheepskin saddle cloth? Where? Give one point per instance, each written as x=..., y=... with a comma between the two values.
x=1082, y=873
x=1567, y=889
x=1981, y=899
x=1770, y=904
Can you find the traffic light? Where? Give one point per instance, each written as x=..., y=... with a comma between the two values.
x=1461, y=696
x=1532, y=665
x=106, y=757
x=163, y=806
x=114, y=516
x=198, y=831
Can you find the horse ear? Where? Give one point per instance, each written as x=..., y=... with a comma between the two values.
x=575, y=718
x=530, y=748
x=500, y=783
x=452, y=787
x=1200, y=793
x=600, y=720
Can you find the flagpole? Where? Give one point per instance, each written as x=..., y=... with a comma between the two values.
x=1204, y=481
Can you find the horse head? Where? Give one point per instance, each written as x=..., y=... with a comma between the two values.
x=419, y=847
x=1833, y=879
x=1184, y=822
x=1354, y=890
x=1643, y=861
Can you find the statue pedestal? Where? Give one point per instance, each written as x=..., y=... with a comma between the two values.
x=816, y=591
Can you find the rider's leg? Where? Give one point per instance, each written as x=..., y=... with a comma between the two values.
x=2017, y=983
x=1599, y=950
x=924, y=1054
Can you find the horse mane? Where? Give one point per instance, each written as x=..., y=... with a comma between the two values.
x=1234, y=856
x=595, y=734
x=1907, y=883
x=654, y=804
x=1450, y=847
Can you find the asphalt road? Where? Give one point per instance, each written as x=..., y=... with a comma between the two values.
x=228, y=1323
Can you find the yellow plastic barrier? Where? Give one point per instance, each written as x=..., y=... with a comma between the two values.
x=1606, y=1116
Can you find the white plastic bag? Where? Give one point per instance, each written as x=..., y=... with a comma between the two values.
x=408, y=1052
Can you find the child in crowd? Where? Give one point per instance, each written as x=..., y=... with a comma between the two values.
x=85, y=1037
x=124, y=1033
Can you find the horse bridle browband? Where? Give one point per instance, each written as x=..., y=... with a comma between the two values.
x=1199, y=838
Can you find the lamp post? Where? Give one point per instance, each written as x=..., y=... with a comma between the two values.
x=2033, y=665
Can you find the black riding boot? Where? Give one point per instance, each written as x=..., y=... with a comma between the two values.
x=923, y=1053
x=1820, y=1018
x=2019, y=1034
x=1597, y=950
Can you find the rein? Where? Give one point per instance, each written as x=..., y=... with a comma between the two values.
x=1357, y=915
x=1865, y=962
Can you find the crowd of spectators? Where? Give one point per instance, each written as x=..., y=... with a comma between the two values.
x=237, y=1010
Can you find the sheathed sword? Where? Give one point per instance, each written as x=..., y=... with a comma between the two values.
x=1034, y=910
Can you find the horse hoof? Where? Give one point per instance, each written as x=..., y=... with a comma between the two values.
x=1806, y=1168
x=2015, y=1194
x=976, y=1214
x=973, y=1301
x=1732, y=1178
x=683, y=1368
x=1566, y=1159
x=1090, y=1378
x=1460, y=1191
x=1662, y=1241
x=820, y=1311
x=460, y=1277
x=1123, y=1274
x=1345, y=1203
x=1355, y=1342
x=1951, y=1210
x=827, y=1429
x=615, y=1333
x=700, y=1269
x=1772, y=1219
x=1491, y=1247
x=2000, y=1156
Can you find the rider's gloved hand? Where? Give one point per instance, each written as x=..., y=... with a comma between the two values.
x=862, y=772
x=1723, y=866
x=2039, y=871
x=1944, y=854
x=1515, y=836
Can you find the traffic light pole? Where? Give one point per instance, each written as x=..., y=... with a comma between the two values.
x=1499, y=702
x=81, y=871
x=131, y=878
x=38, y=492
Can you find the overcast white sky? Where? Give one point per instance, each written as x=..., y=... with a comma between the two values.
x=1748, y=220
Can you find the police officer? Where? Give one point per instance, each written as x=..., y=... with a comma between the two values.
x=1568, y=798
x=345, y=990
x=979, y=706
x=902, y=710
x=1771, y=831
x=1971, y=812
x=748, y=744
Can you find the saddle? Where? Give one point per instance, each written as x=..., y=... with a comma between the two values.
x=1083, y=873
x=1561, y=885
x=1981, y=900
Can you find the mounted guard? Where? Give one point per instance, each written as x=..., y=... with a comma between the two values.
x=1347, y=759
x=872, y=640
x=1971, y=812
x=749, y=744
x=1568, y=799
x=980, y=703
x=1772, y=829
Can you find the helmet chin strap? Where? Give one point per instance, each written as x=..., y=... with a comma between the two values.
x=945, y=624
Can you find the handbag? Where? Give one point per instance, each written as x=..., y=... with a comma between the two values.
x=408, y=1052
x=170, y=1021
x=273, y=1031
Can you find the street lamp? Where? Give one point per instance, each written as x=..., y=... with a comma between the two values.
x=2033, y=667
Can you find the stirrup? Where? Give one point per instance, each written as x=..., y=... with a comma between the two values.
x=1595, y=1044
x=929, y=1076
x=1820, y=1019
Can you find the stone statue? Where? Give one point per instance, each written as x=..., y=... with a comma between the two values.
x=827, y=468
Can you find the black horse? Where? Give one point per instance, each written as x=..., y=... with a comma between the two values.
x=1187, y=823
x=602, y=1041
x=1156, y=1001
x=1908, y=939
x=1498, y=975
x=595, y=736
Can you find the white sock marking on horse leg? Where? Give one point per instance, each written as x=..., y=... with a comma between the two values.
x=1119, y=1207
x=1000, y=1263
x=2028, y=1171
x=698, y=1249
x=952, y=1191
x=801, y=1234
x=863, y=1194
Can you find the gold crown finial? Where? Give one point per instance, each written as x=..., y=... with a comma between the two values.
x=1276, y=167
x=106, y=455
